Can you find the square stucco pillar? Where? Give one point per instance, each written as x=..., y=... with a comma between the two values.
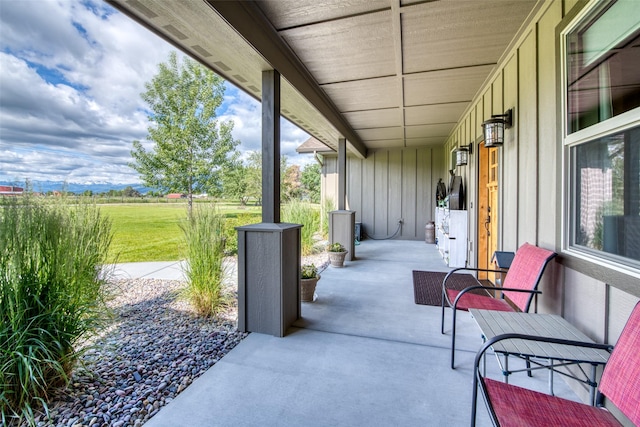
x=268, y=277
x=342, y=228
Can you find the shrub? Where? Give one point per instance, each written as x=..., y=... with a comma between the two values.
x=51, y=296
x=297, y=212
x=204, y=241
x=230, y=232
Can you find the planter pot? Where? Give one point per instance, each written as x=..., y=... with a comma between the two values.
x=308, y=288
x=336, y=259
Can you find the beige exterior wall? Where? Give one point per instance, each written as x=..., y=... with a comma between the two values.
x=393, y=184
x=390, y=185
x=531, y=177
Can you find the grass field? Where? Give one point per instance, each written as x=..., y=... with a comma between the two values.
x=151, y=232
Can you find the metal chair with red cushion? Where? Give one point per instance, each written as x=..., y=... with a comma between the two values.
x=520, y=285
x=511, y=405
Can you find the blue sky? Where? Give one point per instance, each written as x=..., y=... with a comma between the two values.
x=71, y=74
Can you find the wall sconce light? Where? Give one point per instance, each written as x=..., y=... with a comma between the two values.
x=462, y=154
x=494, y=128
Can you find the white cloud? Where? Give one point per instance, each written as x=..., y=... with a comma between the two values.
x=70, y=106
x=245, y=113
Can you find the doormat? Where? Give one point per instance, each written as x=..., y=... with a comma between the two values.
x=427, y=285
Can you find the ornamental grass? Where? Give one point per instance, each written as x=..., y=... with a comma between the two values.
x=204, y=235
x=308, y=215
x=51, y=297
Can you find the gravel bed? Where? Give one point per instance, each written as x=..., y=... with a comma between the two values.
x=153, y=349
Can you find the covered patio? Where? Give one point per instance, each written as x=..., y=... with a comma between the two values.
x=396, y=88
x=362, y=354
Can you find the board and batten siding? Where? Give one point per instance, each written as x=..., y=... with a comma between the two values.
x=387, y=186
x=531, y=174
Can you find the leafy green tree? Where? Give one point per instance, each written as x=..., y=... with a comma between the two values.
x=129, y=191
x=310, y=179
x=191, y=148
x=235, y=183
x=253, y=176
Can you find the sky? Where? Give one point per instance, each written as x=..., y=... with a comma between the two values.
x=71, y=75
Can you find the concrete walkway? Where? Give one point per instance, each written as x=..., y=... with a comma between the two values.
x=363, y=354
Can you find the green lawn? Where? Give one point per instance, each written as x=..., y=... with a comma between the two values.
x=151, y=232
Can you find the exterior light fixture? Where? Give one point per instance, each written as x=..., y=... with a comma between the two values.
x=494, y=128
x=462, y=154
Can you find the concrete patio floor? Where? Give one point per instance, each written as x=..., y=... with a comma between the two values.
x=363, y=354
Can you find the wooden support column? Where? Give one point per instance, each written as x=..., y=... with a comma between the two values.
x=342, y=173
x=270, y=146
x=269, y=253
x=342, y=221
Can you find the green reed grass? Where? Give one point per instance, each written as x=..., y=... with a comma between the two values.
x=204, y=235
x=308, y=215
x=51, y=296
x=327, y=206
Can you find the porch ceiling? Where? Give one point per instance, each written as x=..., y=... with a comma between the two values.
x=381, y=73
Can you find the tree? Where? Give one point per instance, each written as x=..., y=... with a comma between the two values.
x=253, y=176
x=291, y=188
x=310, y=178
x=235, y=183
x=129, y=191
x=191, y=147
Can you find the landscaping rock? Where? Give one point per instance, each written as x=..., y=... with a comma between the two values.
x=153, y=349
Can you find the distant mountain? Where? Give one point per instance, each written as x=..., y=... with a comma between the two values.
x=74, y=187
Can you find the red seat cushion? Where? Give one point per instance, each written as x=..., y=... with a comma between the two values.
x=621, y=377
x=518, y=407
x=524, y=273
x=471, y=300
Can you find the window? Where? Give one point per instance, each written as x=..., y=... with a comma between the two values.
x=607, y=195
x=603, y=65
x=602, y=132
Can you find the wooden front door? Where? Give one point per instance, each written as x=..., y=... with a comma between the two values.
x=487, y=208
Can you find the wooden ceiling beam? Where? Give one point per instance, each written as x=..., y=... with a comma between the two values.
x=249, y=21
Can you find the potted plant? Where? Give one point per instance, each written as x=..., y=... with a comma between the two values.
x=337, y=253
x=308, y=280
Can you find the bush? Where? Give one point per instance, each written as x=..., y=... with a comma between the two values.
x=230, y=232
x=51, y=296
x=308, y=215
x=327, y=206
x=204, y=236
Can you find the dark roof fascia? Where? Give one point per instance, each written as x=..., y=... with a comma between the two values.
x=249, y=21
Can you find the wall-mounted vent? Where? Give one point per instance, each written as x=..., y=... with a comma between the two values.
x=222, y=66
x=202, y=51
x=293, y=116
x=176, y=32
x=284, y=110
x=143, y=9
x=253, y=88
x=240, y=78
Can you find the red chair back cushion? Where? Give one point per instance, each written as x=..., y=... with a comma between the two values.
x=621, y=377
x=525, y=273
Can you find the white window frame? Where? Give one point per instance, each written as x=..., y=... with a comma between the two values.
x=619, y=123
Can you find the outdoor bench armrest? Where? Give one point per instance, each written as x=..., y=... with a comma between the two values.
x=444, y=281
x=477, y=376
